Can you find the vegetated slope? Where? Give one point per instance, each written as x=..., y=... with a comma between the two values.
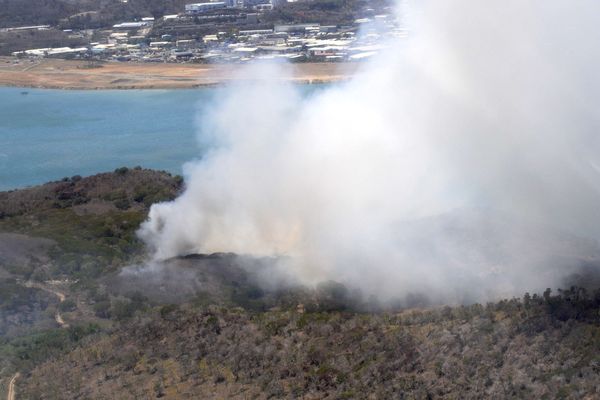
x=207, y=326
x=91, y=14
x=22, y=309
x=33, y=12
x=124, y=187
x=92, y=221
x=11, y=41
x=78, y=228
x=541, y=347
x=65, y=236
x=327, y=12
x=82, y=13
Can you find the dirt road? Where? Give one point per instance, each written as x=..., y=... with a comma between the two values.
x=61, y=297
x=11, y=387
x=64, y=74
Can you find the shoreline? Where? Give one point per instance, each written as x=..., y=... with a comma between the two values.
x=150, y=87
x=76, y=75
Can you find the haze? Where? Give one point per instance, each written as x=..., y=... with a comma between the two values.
x=462, y=163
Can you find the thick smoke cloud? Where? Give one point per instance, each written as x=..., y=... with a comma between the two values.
x=462, y=163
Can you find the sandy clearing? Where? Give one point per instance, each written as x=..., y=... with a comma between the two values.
x=11, y=387
x=63, y=74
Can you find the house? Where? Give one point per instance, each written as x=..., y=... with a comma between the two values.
x=186, y=44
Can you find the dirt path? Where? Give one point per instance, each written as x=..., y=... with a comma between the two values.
x=59, y=320
x=61, y=297
x=11, y=387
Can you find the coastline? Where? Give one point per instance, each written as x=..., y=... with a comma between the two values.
x=77, y=75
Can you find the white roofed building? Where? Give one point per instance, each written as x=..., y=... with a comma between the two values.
x=199, y=8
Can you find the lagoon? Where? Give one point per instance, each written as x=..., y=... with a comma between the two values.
x=49, y=134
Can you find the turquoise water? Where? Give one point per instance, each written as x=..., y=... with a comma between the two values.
x=49, y=134
x=46, y=134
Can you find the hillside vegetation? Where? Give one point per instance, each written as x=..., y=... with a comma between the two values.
x=93, y=14
x=64, y=236
x=84, y=315
x=82, y=13
x=513, y=349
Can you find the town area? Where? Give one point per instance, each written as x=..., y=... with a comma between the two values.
x=231, y=31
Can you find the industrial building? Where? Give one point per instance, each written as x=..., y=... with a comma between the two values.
x=200, y=8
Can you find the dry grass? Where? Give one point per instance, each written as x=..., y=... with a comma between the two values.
x=63, y=74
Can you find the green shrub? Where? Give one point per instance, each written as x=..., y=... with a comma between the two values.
x=122, y=204
x=67, y=305
x=168, y=309
x=102, y=309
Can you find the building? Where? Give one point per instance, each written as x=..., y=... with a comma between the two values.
x=254, y=3
x=181, y=55
x=56, y=52
x=263, y=7
x=131, y=25
x=26, y=28
x=255, y=32
x=210, y=38
x=297, y=28
x=136, y=39
x=186, y=43
x=200, y=8
x=118, y=37
x=327, y=52
x=160, y=45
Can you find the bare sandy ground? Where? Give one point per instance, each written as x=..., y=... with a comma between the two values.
x=63, y=74
x=11, y=387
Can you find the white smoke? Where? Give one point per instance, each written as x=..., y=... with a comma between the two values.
x=452, y=164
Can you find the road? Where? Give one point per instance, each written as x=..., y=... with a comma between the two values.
x=59, y=320
x=61, y=297
x=11, y=387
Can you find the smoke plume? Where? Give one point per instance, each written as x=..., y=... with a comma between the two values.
x=462, y=163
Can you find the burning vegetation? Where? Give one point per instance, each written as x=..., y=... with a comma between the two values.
x=210, y=326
